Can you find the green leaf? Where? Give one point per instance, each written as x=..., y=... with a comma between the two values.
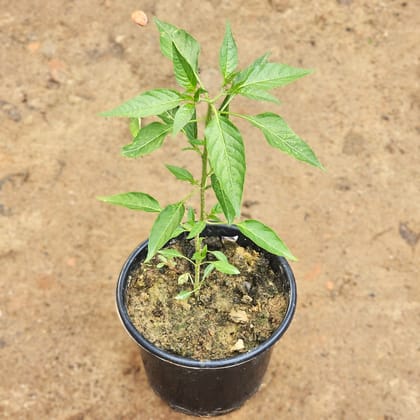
x=166, y=31
x=196, y=142
x=187, y=46
x=152, y=102
x=200, y=255
x=244, y=74
x=223, y=200
x=178, y=231
x=214, y=212
x=262, y=75
x=183, y=116
x=281, y=136
x=228, y=55
x=181, y=173
x=184, y=294
x=196, y=229
x=190, y=129
x=134, y=126
x=148, y=139
x=222, y=264
x=259, y=95
x=227, y=157
x=216, y=209
x=265, y=237
x=168, y=117
x=170, y=253
x=208, y=270
x=164, y=227
x=184, y=74
x=220, y=256
x=191, y=215
x=197, y=94
x=134, y=201
x=225, y=267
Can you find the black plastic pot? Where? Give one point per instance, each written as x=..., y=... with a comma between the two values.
x=213, y=387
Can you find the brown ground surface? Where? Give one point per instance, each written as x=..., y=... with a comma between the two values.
x=353, y=349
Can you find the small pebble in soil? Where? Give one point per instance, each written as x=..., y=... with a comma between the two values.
x=139, y=18
x=409, y=235
x=239, y=345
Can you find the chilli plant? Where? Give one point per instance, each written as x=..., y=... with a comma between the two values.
x=217, y=142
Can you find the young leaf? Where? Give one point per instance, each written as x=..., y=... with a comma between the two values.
x=208, y=270
x=184, y=74
x=227, y=158
x=281, y=136
x=222, y=264
x=196, y=229
x=259, y=95
x=265, y=238
x=219, y=255
x=166, y=31
x=214, y=212
x=184, y=294
x=183, y=116
x=216, y=209
x=133, y=201
x=200, y=255
x=244, y=74
x=152, y=102
x=178, y=231
x=187, y=46
x=223, y=200
x=148, y=140
x=225, y=267
x=170, y=253
x=264, y=76
x=228, y=55
x=191, y=215
x=190, y=129
x=181, y=173
x=134, y=126
x=198, y=93
x=164, y=227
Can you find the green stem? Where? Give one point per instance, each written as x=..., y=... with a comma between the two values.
x=197, y=266
x=203, y=188
x=204, y=171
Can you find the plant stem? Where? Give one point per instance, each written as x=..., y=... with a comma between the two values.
x=197, y=265
x=203, y=187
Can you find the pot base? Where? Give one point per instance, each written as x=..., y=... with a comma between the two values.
x=205, y=392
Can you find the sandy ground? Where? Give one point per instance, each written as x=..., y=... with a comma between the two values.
x=353, y=349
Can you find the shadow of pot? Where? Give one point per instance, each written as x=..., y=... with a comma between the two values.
x=210, y=387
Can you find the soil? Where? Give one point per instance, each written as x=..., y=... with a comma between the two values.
x=231, y=314
x=352, y=350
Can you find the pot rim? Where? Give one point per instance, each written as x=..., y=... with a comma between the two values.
x=194, y=363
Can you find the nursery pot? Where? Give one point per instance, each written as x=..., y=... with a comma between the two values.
x=210, y=387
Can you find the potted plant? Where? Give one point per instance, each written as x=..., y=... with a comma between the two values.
x=208, y=294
